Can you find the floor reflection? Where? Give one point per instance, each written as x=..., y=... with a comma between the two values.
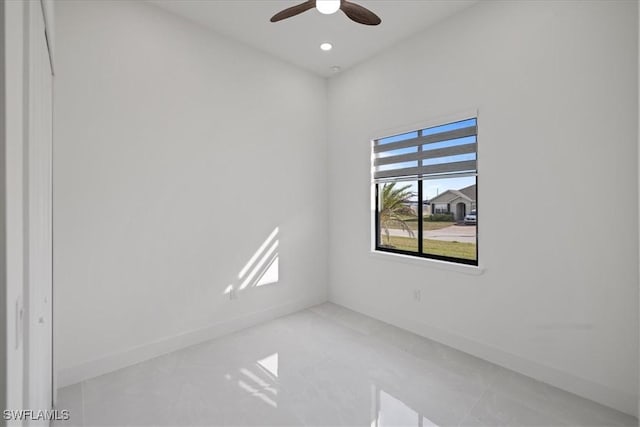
x=391, y=411
x=326, y=366
x=259, y=380
x=270, y=363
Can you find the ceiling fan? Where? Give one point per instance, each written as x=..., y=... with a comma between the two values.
x=355, y=12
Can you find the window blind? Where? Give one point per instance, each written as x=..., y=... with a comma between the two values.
x=441, y=150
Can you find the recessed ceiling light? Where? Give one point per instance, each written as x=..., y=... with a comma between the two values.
x=336, y=69
x=326, y=46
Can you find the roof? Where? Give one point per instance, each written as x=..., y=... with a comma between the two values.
x=467, y=193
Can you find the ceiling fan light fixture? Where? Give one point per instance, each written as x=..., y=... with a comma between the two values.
x=328, y=7
x=354, y=11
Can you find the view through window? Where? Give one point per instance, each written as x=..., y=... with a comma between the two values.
x=426, y=192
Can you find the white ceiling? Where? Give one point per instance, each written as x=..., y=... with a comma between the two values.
x=297, y=40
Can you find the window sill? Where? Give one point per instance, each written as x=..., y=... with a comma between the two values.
x=426, y=262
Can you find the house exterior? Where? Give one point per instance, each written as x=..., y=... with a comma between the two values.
x=426, y=207
x=458, y=202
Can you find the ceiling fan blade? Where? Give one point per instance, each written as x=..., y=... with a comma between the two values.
x=359, y=14
x=293, y=11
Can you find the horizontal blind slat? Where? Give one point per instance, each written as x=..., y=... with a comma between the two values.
x=415, y=177
x=425, y=155
x=442, y=168
x=426, y=139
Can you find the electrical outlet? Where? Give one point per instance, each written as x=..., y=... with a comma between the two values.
x=417, y=295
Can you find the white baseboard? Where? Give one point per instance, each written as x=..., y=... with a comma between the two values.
x=115, y=361
x=602, y=394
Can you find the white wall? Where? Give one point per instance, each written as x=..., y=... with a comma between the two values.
x=167, y=137
x=555, y=84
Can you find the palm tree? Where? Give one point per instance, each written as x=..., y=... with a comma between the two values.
x=394, y=208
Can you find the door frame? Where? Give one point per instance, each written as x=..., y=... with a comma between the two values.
x=38, y=25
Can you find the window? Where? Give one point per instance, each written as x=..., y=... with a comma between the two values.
x=440, y=208
x=426, y=193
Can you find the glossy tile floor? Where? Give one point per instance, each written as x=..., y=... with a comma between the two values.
x=325, y=366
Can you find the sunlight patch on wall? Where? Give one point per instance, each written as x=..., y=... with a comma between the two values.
x=257, y=254
x=271, y=274
x=263, y=268
x=259, y=269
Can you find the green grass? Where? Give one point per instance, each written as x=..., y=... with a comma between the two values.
x=434, y=247
x=428, y=225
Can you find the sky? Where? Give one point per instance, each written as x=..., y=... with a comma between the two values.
x=433, y=187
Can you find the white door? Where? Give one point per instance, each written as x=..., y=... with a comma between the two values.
x=38, y=214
